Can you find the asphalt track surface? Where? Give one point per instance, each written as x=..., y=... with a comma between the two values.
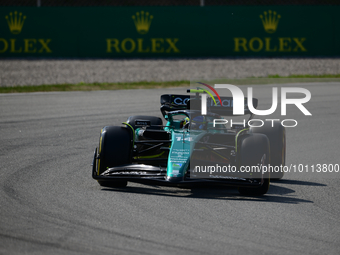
x=51, y=205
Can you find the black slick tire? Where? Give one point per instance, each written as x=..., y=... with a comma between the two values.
x=277, y=140
x=254, y=151
x=115, y=147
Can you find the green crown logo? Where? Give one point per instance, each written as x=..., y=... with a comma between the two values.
x=270, y=21
x=15, y=22
x=142, y=22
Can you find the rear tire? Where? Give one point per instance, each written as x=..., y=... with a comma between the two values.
x=254, y=150
x=114, y=150
x=277, y=140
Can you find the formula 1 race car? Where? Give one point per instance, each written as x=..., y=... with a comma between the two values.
x=190, y=150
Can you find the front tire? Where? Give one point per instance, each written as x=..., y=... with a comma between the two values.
x=114, y=150
x=277, y=141
x=254, y=151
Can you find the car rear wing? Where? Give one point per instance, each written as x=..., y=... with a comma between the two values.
x=172, y=99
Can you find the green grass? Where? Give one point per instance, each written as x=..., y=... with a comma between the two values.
x=306, y=76
x=93, y=86
x=270, y=79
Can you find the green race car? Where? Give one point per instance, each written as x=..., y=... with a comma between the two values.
x=191, y=149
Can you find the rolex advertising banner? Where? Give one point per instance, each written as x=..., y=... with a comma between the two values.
x=213, y=31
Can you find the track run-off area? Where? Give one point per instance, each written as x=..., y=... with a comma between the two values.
x=51, y=205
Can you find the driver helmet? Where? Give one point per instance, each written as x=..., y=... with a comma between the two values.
x=185, y=122
x=198, y=122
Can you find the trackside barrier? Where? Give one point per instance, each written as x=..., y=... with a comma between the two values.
x=172, y=31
